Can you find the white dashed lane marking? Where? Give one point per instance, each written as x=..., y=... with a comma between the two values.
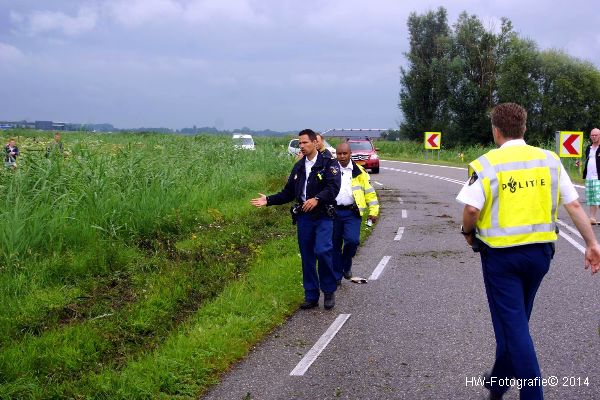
x=379, y=269
x=323, y=341
x=399, y=233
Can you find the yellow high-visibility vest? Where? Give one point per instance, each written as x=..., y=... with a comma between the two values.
x=522, y=188
x=364, y=194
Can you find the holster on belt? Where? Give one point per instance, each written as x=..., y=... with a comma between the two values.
x=295, y=210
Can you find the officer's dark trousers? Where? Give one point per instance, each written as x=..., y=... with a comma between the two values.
x=346, y=238
x=512, y=277
x=315, y=242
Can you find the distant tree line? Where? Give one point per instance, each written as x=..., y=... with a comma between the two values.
x=455, y=75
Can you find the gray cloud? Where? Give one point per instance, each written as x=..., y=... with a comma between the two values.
x=263, y=64
x=40, y=22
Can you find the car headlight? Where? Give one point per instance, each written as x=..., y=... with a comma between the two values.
x=374, y=156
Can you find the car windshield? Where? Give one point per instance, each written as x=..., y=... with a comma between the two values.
x=295, y=143
x=361, y=146
x=243, y=141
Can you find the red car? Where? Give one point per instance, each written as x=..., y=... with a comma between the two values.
x=364, y=153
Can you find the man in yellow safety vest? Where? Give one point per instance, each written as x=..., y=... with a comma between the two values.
x=511, y=205
x=356, y=196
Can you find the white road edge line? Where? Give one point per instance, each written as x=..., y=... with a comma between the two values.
x=404, y=214
x=426, y=175
x=572, y=230
x=573, y=242
x=430, y=165
x=442, y=166
x=323, y=341
x=379, y=269
x=399, y=233
x=380, y=184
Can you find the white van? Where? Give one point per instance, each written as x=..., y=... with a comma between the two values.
x=243, y=142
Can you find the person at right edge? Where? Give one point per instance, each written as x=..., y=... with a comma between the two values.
x=355, y=197
x=591, y=174
x=511, y=207
x=314, y=183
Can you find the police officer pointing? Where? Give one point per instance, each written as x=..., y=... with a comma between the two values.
x=511, y=207
x=314, y=183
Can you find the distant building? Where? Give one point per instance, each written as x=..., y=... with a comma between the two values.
x=59, y=126
x=44, y=125
x=6, y=125
x=16, y=124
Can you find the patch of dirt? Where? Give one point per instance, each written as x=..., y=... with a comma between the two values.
x=109, y=296
x=434, y=254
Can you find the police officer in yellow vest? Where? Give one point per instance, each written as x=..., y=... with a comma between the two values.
x=511, y=206
x=356, y=196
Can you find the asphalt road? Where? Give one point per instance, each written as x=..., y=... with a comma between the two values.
x=422, y=329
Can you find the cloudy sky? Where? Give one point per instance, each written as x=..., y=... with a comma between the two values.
x=277, y=64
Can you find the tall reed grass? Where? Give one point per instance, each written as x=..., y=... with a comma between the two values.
x=106, y=251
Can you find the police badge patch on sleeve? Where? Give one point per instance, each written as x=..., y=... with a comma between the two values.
x=473, y=178
x=334, y=170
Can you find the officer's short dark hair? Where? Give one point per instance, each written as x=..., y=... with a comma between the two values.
x=510, y=118
x=312, y=135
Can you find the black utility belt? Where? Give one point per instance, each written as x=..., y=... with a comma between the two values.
x=349, y=207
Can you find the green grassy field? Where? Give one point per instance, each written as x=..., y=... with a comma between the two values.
x=135, y=267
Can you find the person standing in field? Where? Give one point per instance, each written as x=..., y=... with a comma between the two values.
x=356, y=196
x=314, y=183
x=510, y=211
x=591, y=174
x=11, y=153
x=55, y=146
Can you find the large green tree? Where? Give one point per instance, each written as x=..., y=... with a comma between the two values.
x=518, y=81
x=569, y=92
x=455, y=76
x=477, y=54
x=424, y=94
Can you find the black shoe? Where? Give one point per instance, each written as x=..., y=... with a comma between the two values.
x=348, y=274
x=493, y=395
x=329, y=302
x=339, y=283
x=309, y=304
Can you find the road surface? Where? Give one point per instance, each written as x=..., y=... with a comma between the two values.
x=420, y=329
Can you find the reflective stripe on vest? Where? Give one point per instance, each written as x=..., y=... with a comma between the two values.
x=497, y=236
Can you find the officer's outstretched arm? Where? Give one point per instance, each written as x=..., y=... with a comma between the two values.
x=592, y=249
x=259, y=201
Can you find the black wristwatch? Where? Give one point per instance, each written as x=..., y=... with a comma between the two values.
x=462, y=230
